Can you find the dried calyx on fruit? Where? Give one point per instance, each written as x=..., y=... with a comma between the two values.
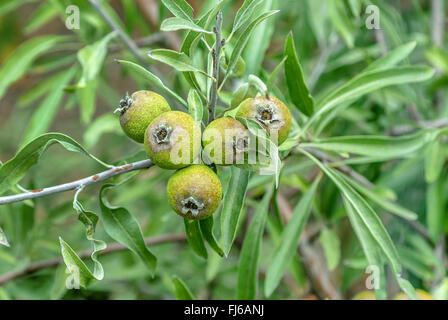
x=194, y=192
x=173, y=140
x=138, y=111
x=271, y=113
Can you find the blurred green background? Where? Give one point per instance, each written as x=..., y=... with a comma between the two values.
x=333, y=45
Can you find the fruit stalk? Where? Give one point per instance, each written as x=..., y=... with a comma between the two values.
x=145, y=164
x=216, y=54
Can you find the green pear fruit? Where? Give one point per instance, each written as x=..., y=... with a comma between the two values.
x=194, y=192
x=225, y=142
x=173, y=140
x=271, y=113
x=138, y=111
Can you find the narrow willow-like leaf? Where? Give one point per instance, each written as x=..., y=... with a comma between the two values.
x=3, y=239
x=332, y=247
x=195, y=106
x=268, y=158
x=179, y=61
x=103, y=124
x=393, y=57
x=435, y=208
x=259, y=42
x=181, y=290
x=244, y=13
x=243, y=39
x=90, y=219
x=438, y=58
x=15, y=169
x=194, y=237
x=192, y=38
x=368, y=244
x=376, y=146
x=21, y=59
x=180, y=8
x=152, y=79
x=258, y=84
x=92, y=58
x=275, y=229
x=384, y=203
x=86, y=97
x=274, y=74
x=434, y=161
x=79, y=272
x=40, y=89
x=250, y=252
x=239, y=96
x=45, y=113
x=207, y=231
x=365, y=214
x=121, y=226
x=298, y=90
x=45, y=13
x=289, y=240
x=341, y=21
x=174, y=24
x=366, y=83
x=232, y=205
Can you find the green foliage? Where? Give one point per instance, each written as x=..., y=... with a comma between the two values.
x=364, y=166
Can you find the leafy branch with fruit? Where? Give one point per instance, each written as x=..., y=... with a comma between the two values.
x=289, y=167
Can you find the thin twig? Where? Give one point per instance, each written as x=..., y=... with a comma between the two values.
x=437, y=34
x=216, y=54
x=111, y=248
x=415, y=225
x=155, y=38
x=438, y=22
x=344, y=168
x=144, y=164
x=123, y=36
x=425, y=124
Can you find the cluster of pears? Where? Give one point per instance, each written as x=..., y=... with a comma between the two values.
x=173, y=140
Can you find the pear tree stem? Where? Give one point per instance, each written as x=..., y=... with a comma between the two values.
x=216, y=52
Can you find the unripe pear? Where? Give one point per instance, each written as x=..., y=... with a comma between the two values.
x=270, y=113
x=173, y=140
x=225, y=141
x=138, y=111
x=194, y=192
x=421, y=295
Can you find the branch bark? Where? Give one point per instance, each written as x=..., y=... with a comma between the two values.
x=216, y=54
x=111, y=248
x=123, y=36
x=144, y=164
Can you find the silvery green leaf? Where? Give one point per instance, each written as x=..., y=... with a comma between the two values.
x=121, y=226
x=16, y=168
x=3, y=239
x=175, y=23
